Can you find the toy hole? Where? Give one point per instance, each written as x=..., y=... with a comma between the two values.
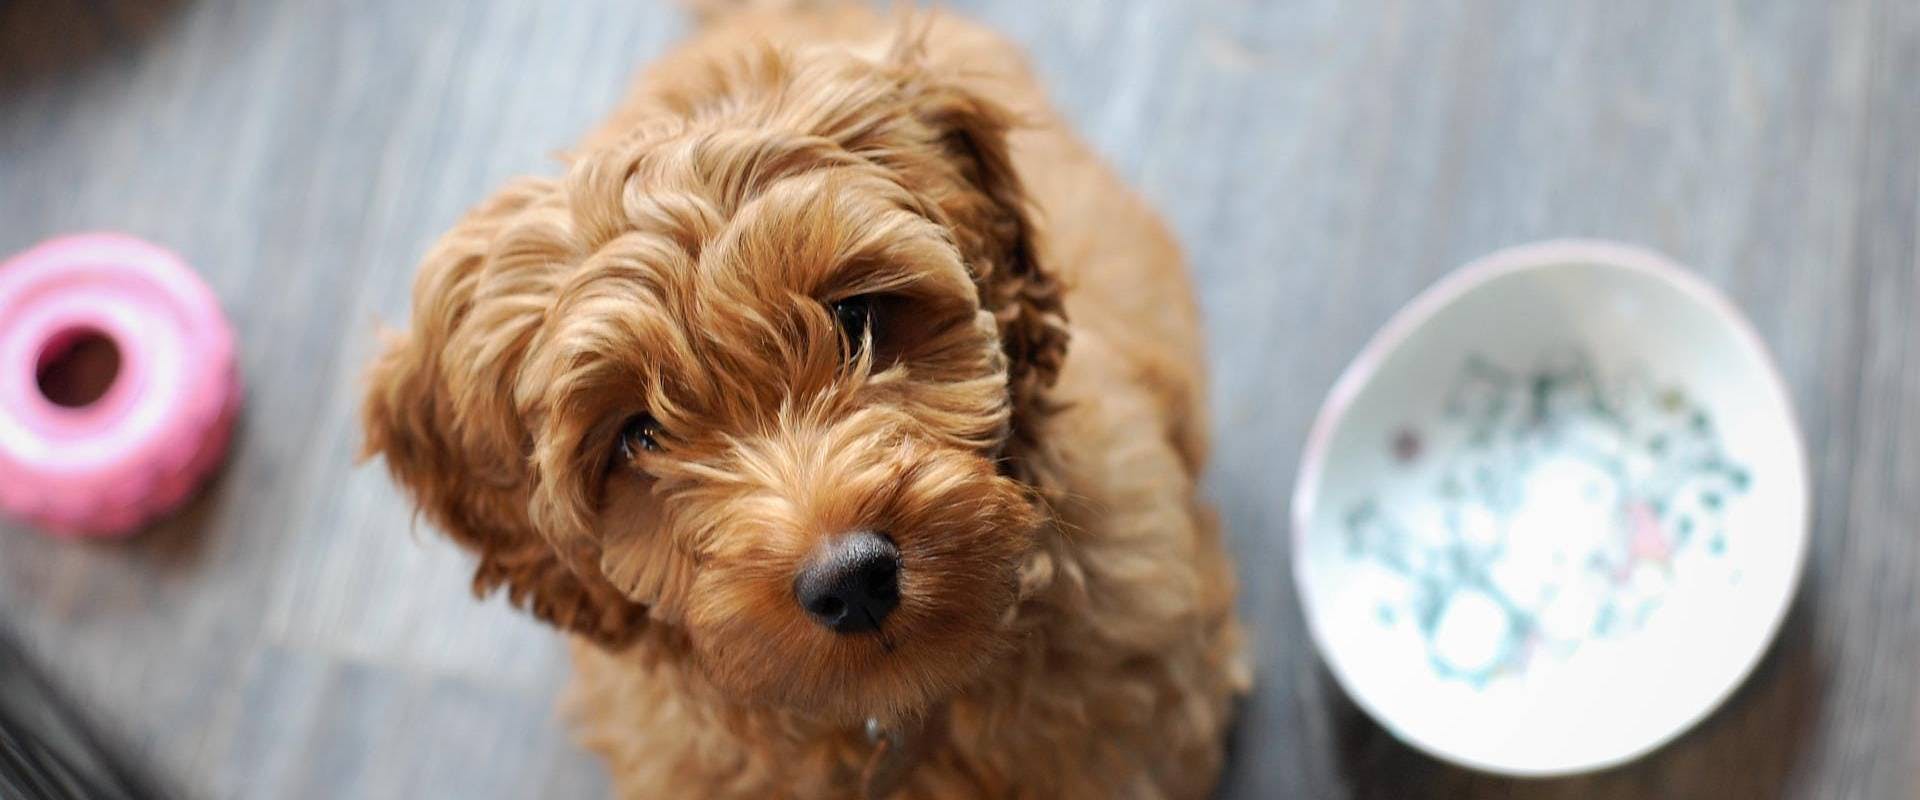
x=77, y=367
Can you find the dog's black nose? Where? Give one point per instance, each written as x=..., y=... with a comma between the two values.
x=851, y=583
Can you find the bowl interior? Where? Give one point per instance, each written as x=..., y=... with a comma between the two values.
x=1554, y=514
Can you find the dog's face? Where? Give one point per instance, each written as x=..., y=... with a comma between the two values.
x=753, y=377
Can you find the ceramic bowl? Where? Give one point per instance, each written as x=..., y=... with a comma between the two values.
x=1554, y=512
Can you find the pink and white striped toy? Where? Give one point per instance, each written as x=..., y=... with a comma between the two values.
x=108, y=463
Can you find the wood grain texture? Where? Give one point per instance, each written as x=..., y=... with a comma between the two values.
x=1323, y=161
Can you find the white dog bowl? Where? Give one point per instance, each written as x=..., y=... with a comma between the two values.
x=1553, y=513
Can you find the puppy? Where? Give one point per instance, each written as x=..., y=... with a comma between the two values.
x=848, y=411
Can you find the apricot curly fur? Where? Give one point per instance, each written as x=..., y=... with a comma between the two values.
x=1027, y=422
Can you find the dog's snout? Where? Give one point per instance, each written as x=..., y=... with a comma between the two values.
x=851, y=582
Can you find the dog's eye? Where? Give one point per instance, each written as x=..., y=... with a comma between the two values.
x=641, y=434
x=855, y=316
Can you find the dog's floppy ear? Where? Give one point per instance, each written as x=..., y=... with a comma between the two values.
x=440, y=408
x=994, y=228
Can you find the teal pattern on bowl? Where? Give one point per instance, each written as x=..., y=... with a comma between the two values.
x=1563, y=505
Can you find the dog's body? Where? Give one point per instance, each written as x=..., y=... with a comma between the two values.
x=1090, y=652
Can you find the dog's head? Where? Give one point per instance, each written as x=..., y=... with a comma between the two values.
x=758, y=376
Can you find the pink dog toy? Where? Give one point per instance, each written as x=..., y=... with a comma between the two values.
x=107, y=459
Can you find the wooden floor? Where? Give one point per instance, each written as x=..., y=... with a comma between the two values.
x=1322, y=160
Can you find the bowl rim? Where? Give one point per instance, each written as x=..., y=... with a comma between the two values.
x=1359, y=373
